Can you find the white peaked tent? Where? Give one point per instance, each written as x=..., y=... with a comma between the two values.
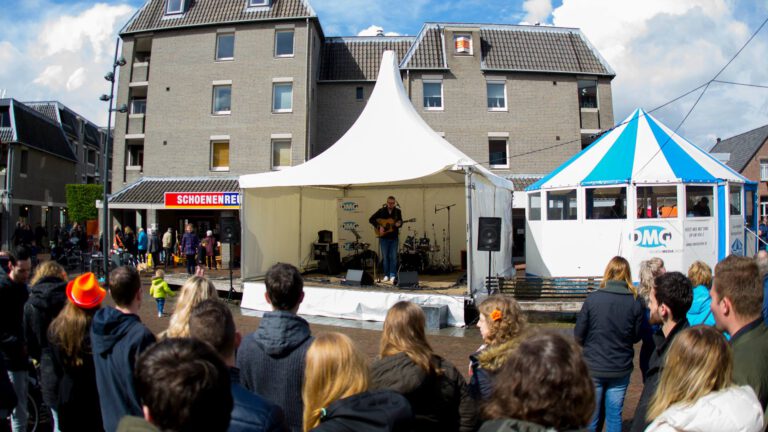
x=389, y=150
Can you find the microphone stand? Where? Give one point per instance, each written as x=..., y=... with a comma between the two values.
x=441, y=207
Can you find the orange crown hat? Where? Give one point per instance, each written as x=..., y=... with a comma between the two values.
x=84, y=291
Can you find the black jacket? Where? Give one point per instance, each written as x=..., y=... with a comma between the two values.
x=485, y=364
x=655, y=366
x=251, y=412
x=380, y=411
x=117, y=340
x=154, y=244
x=607, y=327
x=271, y=362
x=439, y=403
x=383, y=213
x=13, y=296
x=46, y=299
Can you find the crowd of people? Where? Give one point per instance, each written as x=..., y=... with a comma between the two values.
x=702, y=359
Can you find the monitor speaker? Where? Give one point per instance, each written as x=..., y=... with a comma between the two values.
x=489, y=234
x=230, y=230
x=408, y=280
x=358, y=278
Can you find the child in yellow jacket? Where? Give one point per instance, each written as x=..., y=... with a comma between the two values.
x=159, y=290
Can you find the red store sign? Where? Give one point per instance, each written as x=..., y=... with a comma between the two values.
x=202, y=200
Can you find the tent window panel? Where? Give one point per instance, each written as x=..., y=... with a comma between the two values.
x=734, y=198
x=281, y=154
x=219, y=155
x=606, y=203
x=699, y=200
x=561, y=205
x=534, y=206
x=656, y=202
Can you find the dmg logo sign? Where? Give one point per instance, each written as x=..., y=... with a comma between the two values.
x=350, y=225
x=349, y=206
x=737, y=247
x=651, y=237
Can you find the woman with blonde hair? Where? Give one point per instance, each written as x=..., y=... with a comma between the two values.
x=696, y=392
x=335, y=391
x=650, y=269
x=607, y=327
x=195, y=290
x=437, y=392
x=46, y=298
x=700, y=275
x=501, y=322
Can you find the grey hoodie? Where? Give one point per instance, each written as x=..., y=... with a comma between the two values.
x=271, y=362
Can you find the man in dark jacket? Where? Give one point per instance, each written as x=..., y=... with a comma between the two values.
x=272, y=358
x=13, y=296
x=737, y=300
x=387, y=222
x=669, y=302
x=117, y=338
x=211, y=322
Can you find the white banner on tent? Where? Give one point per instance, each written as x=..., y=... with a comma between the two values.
x=351, y=215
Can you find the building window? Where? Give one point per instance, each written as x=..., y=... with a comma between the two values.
x=5, y=117
x=225, y=46
x=462, y=43
x=174, y=7
x=606, y=203
x=763, y=169
x=138, y=106
x=561, y=205
x=135, y=155
x=433, y=95
x=24, y=162
x=222, y=99
x=284, y=43
x=282, y=97
x=587, y=94
x=735, y=200
x=219, y=155
x=534, y=206
x=497, y=95
x=699, y=201
x=256, y=3
x=91, y=155
x=281, y=153
x=498, y=153
x=359, y=95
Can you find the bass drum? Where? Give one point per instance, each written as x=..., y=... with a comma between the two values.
x=413, y=262
x=410, y=243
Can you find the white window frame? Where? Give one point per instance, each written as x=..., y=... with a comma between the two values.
x=498, y=137
x=258, y=3
x=216, y=54
x=213, y=99
x=214, y=140
x=133, y=106
x=293, y=43
x=280, y=83
x=597, y=94
x=471, y=44
x=168, y=11
x=763, y=169
x=497, y=82
x=278, y=138
x=442, y=94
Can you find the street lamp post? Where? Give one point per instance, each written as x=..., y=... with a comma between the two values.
x=105, y=232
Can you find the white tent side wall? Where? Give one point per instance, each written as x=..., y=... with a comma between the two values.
x=490, y=201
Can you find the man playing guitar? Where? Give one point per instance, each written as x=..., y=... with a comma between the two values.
x=387, y=222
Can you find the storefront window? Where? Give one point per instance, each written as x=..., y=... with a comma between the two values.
x=606, y=203
x=656, y=202
x=561, y=205
x=534, y=206
x=699, y=201
x=734, y=198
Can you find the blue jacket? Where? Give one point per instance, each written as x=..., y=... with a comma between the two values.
x=117, y=340
x=142, y=241
x=252, y=412
x=700, y=313
x=189, y=244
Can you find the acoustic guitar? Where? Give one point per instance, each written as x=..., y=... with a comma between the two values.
x=388, y=225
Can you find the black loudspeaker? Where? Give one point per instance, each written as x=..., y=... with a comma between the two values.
x=408, y=280
x=330, y=264
x=489, y=234
x=230, y=230
x=325, y=236
x=358, y=278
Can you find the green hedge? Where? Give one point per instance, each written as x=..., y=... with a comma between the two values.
x=81, y=201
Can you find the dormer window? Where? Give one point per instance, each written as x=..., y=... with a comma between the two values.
x=174, y=7
x=258, y=3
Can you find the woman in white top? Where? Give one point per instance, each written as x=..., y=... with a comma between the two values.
x=696, y=392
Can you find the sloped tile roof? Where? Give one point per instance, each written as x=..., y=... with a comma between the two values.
x=47, y=109
x=151, y=190
x=6, y=134
x=427, y=52
x=151, y=17
x=358, y=58
x=742, y=147
x=38, y=131
x=520, y=183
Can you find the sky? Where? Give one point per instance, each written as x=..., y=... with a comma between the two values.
x=659, y=49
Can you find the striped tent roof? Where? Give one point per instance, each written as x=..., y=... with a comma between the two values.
x=639, y=150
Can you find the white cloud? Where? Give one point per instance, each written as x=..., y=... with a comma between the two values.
x=8, y=56
x=51, y=77
x=537, y=11
x=76, y=80
x=373, y=30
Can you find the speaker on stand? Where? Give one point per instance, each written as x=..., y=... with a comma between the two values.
x=489, y=239
x=230, y=233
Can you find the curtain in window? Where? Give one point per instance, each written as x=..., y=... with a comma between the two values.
x=281, y=153
x=220, y=154
x=283, y=97
x=496, y=95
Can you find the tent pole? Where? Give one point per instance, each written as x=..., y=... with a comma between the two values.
x=468, y=187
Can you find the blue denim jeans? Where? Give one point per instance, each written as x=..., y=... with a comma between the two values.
x=389, y=256
x=612, y=391
x=160, y=305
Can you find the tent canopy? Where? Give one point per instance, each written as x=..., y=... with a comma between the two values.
x=639, y=150
x=388, y=144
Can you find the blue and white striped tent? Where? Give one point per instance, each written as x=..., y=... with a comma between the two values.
x=640, y=150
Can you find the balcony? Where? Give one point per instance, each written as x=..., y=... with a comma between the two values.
x=140, y=72
x=135, y=124
x=590, y=120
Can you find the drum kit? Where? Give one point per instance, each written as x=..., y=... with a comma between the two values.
x=422, y=254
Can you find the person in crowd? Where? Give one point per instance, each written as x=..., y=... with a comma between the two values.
x=211, y=244
x=68, y=374
x=271, y=359
x=168, y=247
x=501, y=323
x=543, y=386
x=762, y=234
x=608, y=326
x=200, y=269
x=117, y=337
x=47, y=297
x=141, y=245
x=159, y=290
x=194, y=290
x=13, y=296
x=761, y=259
x=189, y=244
x=437, y=392
x=154, y=248
x=670, y=301
x=184, y=386
x=696, y=392
x=737, y=301
x=40, y=235
x=649, y=270
x=117, y=240
x=387, y=222
x=336, y=395
x=129, y=239
x=211, y=322
x=700, y=275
